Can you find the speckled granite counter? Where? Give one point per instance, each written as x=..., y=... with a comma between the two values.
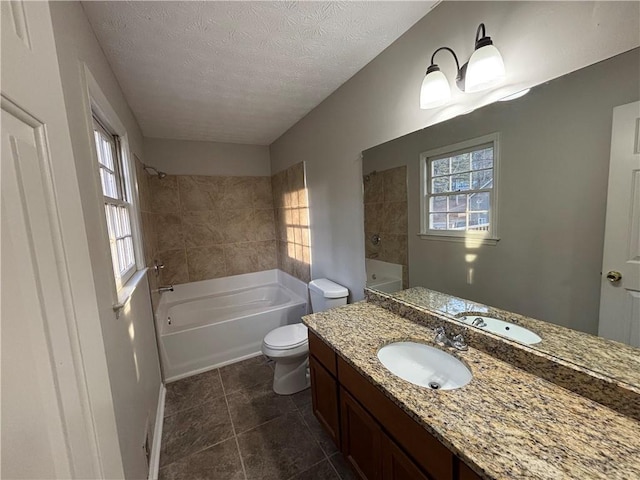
x=506, y=423
x=613, y=359
x=611, y=392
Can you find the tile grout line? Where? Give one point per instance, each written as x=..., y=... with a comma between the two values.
x=233, y=427
x=326, y=456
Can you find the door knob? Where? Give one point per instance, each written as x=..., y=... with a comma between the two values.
x=614, y=276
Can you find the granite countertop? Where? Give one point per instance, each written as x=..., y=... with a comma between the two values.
x=616, y=360
x=506, y=423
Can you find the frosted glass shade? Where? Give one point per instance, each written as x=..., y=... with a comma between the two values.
x=485, y=69
x=435, y=90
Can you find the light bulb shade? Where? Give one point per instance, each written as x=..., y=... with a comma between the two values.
x=485, y=69
x=435, y=90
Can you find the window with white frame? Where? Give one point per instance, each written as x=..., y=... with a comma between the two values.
x=459, y=185
x=117, y=201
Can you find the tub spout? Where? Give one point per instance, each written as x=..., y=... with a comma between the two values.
x=165, y=288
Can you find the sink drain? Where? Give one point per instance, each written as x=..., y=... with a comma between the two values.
x=434, y=385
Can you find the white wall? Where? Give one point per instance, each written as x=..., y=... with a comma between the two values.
x=183, y=157
x=129, y=341
x=538, y=40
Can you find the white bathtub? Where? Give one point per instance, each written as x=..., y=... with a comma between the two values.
x=205, y=325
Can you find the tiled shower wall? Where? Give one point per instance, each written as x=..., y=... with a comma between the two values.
x=203, y=227
x=292, y=221
x=385, y=214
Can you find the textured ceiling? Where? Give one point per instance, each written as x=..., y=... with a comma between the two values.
x=240, y=72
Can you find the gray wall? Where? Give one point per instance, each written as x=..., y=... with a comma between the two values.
x=132, y=358
x=554, y=165
x=183, y=157
x=538, y=40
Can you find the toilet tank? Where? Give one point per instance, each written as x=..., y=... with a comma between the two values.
x=326, y=294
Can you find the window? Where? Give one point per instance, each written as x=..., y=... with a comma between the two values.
x=459, y=190
x=117, y=201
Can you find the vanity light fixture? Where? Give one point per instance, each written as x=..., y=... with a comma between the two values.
x=484, y=69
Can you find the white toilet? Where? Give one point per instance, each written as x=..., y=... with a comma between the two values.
x=288, y=346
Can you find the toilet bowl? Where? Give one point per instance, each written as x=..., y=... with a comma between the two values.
x=288, y=346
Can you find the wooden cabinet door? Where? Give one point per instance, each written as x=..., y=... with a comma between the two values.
x=465, y=473
x=396, y=465
x=324, y=397
x=361, y=439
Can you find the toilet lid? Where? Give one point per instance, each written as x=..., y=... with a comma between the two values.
x=289, y=336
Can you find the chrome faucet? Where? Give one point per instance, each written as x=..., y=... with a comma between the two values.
x=478, y=322
x=165, y=288
x=456, y=342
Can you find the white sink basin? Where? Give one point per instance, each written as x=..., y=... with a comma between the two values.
x=424, y=365
x=506, y=329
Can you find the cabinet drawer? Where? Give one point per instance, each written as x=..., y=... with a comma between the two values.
x=433, y=457
x=324, y=398
x=323, y=353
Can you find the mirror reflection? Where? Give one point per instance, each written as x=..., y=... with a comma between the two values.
x=507, y=206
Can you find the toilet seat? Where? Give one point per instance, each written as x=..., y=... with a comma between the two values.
x=288, y=337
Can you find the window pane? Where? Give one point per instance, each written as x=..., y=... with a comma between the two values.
x=458, y=203
x=108, y=179
x=479, y=221
x=108, y=214
x=482, y=179
x=440, y=167
x=438, y=204
x=129, y=257
x=479, y=201
x=440, y=185
x=105, y=154
x=457, y=221
x=438, y=221
x=482, y=158
x=121, y=255
x=460, y=182
x=460, y=163
x=125, y=222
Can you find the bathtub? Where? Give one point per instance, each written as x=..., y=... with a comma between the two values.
x=205, y=325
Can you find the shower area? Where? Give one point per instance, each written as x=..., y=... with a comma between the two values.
x=235, y=250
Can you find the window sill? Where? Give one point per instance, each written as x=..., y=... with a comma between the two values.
x=125, y=293
x=468, y=241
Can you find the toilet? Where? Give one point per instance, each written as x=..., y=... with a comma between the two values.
x=288, y=346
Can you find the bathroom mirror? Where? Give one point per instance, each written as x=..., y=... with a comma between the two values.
x=550, y=174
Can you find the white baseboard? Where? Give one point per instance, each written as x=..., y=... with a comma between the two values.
x=154, y=460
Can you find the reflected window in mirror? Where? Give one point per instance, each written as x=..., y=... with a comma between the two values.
x=459, y=190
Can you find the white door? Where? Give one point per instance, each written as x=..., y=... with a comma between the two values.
x=46, y=419
x=620, y=295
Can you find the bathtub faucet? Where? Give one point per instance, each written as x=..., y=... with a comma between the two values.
x=165, y=288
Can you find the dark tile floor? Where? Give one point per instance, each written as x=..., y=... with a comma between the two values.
x=228, y=424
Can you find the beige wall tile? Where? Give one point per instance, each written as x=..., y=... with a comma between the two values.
x=393, y=249
x=238, y=192
x=175, y=267
x=250, y=257
x=394, y=218
x=202, y=228
x=395, y=184
x=168, y=230
x=374, y=188
x=200, y=192
x=262, y=193
x=279, y=186
x=373, y=217
x=205, y=263
x=264, y=226
x=237, y=225
x=295, y=184
x=164, y=194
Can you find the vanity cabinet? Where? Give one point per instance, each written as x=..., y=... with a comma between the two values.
x=378, y=439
